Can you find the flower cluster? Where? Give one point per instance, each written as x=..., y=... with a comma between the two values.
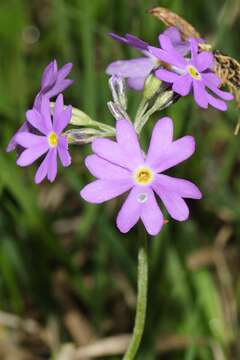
x=40, y=134
x=120, y=165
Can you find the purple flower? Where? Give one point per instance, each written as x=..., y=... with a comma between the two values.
x=137, y=70
x=121, y=166
x=50, y=140
x=187, y=74
x=53, y=83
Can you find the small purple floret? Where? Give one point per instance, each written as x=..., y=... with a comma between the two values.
x=194, y=74
x=120, y=166
x=54, y=81
x=137, y=70
x=49, y=142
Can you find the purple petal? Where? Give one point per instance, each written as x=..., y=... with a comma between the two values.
x=136, y=42
x=12, y=143
x=130, y=211
x=136, y=83
x=30, y=155
x=167, y=76
x=42, y=170
x=59, y=87
x=182, y=85
x=100, y=191
x=200, y=94
x=63, y=152
x=62, y=120
x=173, y=202
x=111, y=151
x=211, y=78
x=162, y=137
x=222, y=94
x=217, y=103
x=183, y=47
x=26, y=139
x=49, y=75
x=36, y=120
x=64, y=71
x=58, y=108
x=167, y=45
x=182, y=187
x=103, y=169
x=139, y=67
x=46, y=113
x=151, y=215
x=194, y=49
x=177, y=152
x=204, y=60
x=128, y=141
x=52, y=164
x=167, y=57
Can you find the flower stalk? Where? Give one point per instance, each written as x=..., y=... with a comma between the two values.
x=141, y=302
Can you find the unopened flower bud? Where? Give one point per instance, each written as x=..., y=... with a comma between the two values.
x=151, y=87
x=82, y=136
x=118, y=88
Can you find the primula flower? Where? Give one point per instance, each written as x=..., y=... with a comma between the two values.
x=53, y=82
x=187, y=74
x=122, y=166
x=50, y=140
x=137, y=70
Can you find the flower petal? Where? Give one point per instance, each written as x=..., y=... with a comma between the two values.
x=52, y=164
x=151, y=214
x=63, y=152
x=130, y=211
x=28, y=156
x=46, y=113
x=49, y=75
x=26, y=139
x=211, y=78
x=62, y=120
x=183, y=47
x=182, y=187
x=167, y=76
x=100, y=191
x=64, y=71
x=217, y=103
x=162, y=137
x=204, y=60
x=36, y=120
x=59, y=87
x=103, y=169
x=111, y=151
x=136, y=83
x=128, y=141
x=173, y=202
x=225, y=95
x=182, y=85
x=174, y=154
x=167, y=57
x=200, y=94
x=167, y=45
x=12, y=143
x=42, y=170
x=139, y=67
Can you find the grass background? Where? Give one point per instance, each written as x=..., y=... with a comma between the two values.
x=62, y=261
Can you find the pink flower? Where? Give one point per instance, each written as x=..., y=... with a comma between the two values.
x=50, y=140
x=121, y=166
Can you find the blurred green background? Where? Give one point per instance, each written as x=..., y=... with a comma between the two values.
x=63, y=264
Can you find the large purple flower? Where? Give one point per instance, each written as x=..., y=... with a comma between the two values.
x=137, y=70
x=121, y=166
x=53, y=82
x=191, y=74
x=50, y=140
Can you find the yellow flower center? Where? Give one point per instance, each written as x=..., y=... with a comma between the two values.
x=53, y=139
x=194, y=72
x=143, y=176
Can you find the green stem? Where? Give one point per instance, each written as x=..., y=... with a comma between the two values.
x=141, y=302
